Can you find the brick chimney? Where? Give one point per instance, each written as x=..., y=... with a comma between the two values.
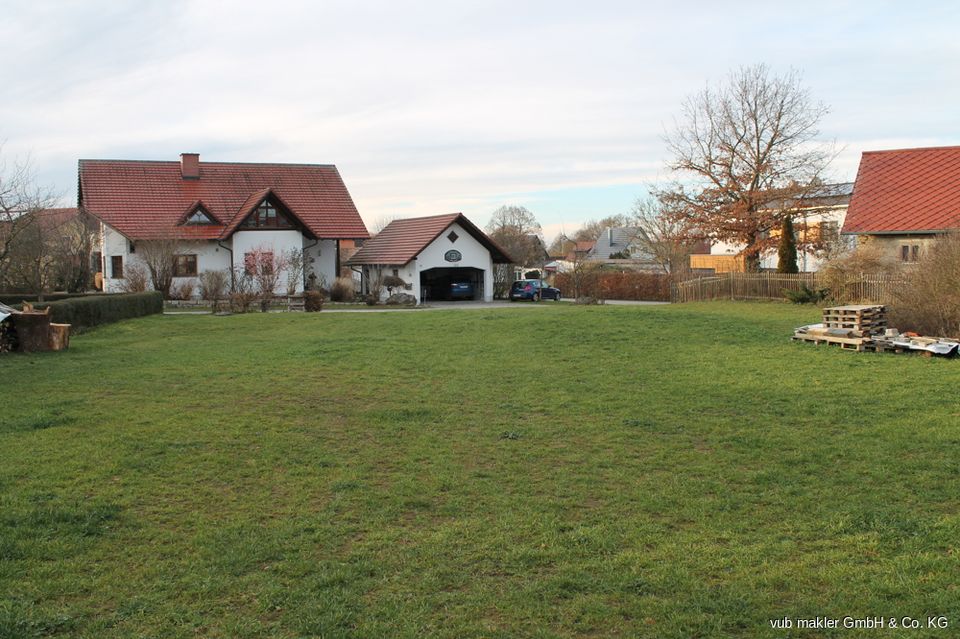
x=190, y=166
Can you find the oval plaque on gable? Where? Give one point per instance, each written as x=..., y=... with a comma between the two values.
x=452, y=256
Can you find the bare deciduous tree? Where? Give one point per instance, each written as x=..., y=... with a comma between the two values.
x=214, y=286
x=158, y=256
x=740, y=148
x=20, y=198
x=661, y=236
x=266, y=267
x=295, y=267
x=516, y=230
x=591, y=230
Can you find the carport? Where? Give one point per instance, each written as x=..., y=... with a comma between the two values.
x=435, y=282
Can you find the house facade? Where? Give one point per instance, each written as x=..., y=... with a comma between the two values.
x=218, y=214
x=904, y=199
x=431, y=254
x=817, y=218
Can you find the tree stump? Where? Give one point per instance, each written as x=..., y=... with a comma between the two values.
x=59, y=337
x=33, y=331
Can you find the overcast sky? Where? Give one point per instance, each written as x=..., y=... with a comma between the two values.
x=434, y=107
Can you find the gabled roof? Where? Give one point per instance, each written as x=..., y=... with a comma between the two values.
x=906, y=191
x=622, y=238
x=146, y=199
x=403, y=240
x=821, y=196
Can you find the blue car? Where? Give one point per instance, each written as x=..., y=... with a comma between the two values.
x=461, y=291
x=533, y=290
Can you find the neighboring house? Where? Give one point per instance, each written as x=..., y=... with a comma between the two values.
x=817, y=217
x=904, y=199
x=219, y=213
x=622, y=247
x=430, y=254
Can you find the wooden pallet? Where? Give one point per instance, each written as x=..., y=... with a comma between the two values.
x=858, y=344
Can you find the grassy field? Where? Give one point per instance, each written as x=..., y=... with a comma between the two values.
x=672, y=471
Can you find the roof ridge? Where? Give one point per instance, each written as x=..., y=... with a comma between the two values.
x=914, y=148
x=208, y=163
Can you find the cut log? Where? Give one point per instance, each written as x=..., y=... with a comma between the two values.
x=59, y=337
x=33, y=331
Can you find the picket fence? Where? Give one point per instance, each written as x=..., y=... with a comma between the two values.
x=861, y=288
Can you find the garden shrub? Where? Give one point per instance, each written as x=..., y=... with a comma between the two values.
x=342, y=290
x=806, y=295
x=94, y=310
x=312, y=301
x=182, y=291
x=929, y=300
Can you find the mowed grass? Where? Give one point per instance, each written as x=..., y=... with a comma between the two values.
x=674, y=471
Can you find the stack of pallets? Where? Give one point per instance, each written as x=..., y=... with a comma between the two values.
x=861, y=319
x=850, y=327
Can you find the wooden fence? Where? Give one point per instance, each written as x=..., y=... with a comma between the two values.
x=860, y=288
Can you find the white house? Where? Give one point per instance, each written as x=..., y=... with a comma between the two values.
x=431, y=254
x=817, y=217
x=220, y=213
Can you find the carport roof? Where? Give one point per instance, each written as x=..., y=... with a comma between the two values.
x=403, y=240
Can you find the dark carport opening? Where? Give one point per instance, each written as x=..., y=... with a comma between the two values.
x=437, y=284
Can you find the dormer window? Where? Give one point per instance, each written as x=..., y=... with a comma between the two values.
x=199, y=216
x=267, y=216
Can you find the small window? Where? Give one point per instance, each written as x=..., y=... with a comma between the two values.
x=116, y=267
x=199, y=218
x=396, y=272
x=909, y=253
x=184, y=265
x=453, y=237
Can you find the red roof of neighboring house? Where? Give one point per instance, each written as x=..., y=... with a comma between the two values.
x=906, y=191
x=148, y=200
x=402, y=240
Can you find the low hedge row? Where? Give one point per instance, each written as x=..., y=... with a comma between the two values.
x=86, y=312
x=11, y=299
x=630, y=285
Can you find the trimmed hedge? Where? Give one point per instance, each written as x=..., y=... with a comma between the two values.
x=14, y=299
x=631, y=285
x=86, y=312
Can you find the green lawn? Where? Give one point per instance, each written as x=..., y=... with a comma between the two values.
x=666, y=471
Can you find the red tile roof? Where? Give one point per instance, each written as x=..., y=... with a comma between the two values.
x=147, y=200
x=906, y=190
x=402, y=240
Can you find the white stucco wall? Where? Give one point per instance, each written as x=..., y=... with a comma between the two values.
x=808, y=261
x=321, y=256
x=475, y=255
x=321, y=260
x=277, y=242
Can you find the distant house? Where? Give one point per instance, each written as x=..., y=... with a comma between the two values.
x=219, y=213
x=622, y=247
x=817, y=217
x=430, y=254
x=904, y=199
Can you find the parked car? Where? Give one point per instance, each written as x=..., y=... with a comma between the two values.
x=461, y=291
x=533, y=290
